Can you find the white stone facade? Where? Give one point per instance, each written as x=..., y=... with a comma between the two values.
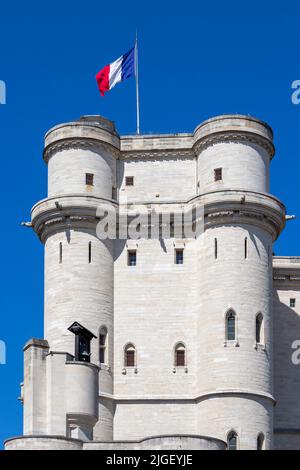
x=241, y=384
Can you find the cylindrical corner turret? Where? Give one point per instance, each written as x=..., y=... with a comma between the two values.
x=79, y=267
x=235, y=333
x=81, y=157
x=233, y=152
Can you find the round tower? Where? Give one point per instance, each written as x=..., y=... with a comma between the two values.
x=81, y=158
x=242, y=220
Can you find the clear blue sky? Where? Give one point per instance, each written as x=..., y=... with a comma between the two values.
x=197, y=59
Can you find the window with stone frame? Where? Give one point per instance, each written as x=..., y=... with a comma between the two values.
x=218, y=174
x=260, y=441
x=103, y=345
x=180, y=355
x=179, y=256
x=259, y=328
x=89, y=179
x=131, y=258
x=129, y=180
x=130, y=356
x=232, y=441
x=230, y=326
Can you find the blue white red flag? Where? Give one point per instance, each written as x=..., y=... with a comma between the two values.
x=116, y=72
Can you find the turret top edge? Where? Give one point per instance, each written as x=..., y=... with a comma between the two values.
x=233, y=127
x=86, y=120
x=247, y=117
x=234, y=123
x=85, y=126
x=222, y=119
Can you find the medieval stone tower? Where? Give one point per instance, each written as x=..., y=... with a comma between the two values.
x=159, y=343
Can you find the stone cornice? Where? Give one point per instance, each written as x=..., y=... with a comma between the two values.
x=92, y=131
x=158, y=154
x=220, y=208
x=286, y=270
x=79, y=143
x=37, y=343
x=244, y=216
x=235, y=136
x=163, y=153
x=73, y=211
x=192, y=398
x=286, y=262
x=286, y=279
x=243, y=207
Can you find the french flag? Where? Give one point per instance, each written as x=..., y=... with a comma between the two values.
x=117, y=71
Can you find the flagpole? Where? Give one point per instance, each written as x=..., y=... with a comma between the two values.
x=137, y=86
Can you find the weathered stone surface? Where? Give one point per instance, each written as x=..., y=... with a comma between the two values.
x=225, y=385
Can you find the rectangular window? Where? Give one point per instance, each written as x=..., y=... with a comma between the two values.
x=179, y=256
x=129, y=180
x=113, y=192
x=218, y=174
x=293, y=303
x=216, y=248
x=89, y=179
x=131, y=258
x=246, y=248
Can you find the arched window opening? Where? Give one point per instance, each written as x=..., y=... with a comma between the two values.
x=180, y=355
x=260, y=441
x=259, y=328
x=103, y=345
x=230, y=326
x=130, y=356
x=232, y=441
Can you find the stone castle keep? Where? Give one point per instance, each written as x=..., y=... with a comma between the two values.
x=176, y=343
